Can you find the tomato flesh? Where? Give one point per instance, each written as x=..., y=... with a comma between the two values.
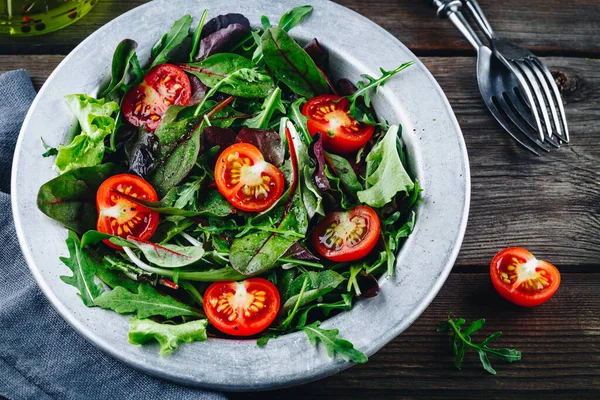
x=241, y=308
x=246, y=180
x=120, y=216
x=347, y=235
x=330, y=115
x=146, y=103
x=522, y=279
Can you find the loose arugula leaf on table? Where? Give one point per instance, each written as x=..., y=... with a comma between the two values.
x=178, y=32
x=168, y=336
x=168, y=255
x=147, y=302
x=122, y=63
x=461, y=341
x=385, y=175
x=365, y=86
x=317, y=285
x=50, y=151
x=271, y=104
x=83, y=266
x=96, y=121
x=291, y=64
x=333, y=344
x=71, y=197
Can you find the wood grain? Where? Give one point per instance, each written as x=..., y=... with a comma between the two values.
x=560, y=346
x=549, y=27
x=549, y=204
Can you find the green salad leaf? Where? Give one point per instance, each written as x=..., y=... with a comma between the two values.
x=176, y=35
x=147, y=302
x=168, y=336
x=386, y=175
x=96, y=121
x=83, y=266
x=333, y=344
x=124, y=61
x=271, y=104
x=318, y=284
x=168, y=255
x=294, y=17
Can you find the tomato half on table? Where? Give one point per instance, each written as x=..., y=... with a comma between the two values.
x=241, y=308
x=146, y=103
x=522, y=279
x=246, y=180
x=330, y=115
x=118, y=215
x=347, y=235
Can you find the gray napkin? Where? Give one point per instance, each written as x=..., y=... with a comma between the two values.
x=41, y=357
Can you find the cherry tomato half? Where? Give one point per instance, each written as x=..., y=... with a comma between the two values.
x=120, y=216
x=347, y=235
x=146, y=103
x=246, y=180
x=241, y=308
x=330, y=115
x=522, y=279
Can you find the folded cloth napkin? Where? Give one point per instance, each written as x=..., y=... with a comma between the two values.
x=41, y=357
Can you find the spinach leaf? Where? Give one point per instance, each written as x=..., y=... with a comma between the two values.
x=291, y=64
x=147, y=302
x=294, y=17
x=196, y=35
x=121, y=65
x=216, y=67
x=168, y=255
x=96, y=121
x=271, y=104
x=115, y=279
x=178, y=32
x=167, y=335
x=71, y=197
x=333, y=344
x=179, y=145
x=343, y=170
x=318, y=284
x=385, y=175
x=83, y=266
x=299, y=120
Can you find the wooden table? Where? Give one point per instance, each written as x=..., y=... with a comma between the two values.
x=549, y=204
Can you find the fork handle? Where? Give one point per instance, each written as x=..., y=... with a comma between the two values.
x=451, y=9
x=480, y=18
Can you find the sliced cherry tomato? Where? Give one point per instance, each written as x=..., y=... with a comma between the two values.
x=347, y=235
x=241, y=308
x=146, y=103
x=246, y=180
x=522, y=279
x=122, y=217
x=330, y=115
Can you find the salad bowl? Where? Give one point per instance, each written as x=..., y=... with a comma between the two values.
x=437, y=157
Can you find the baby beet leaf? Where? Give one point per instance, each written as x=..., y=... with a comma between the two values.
x=461, y=340
x=334, y=344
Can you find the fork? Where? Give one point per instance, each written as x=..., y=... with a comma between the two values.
x=533, y=73
x=501, y=89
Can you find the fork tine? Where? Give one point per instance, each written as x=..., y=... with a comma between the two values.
x=557, y=97
x=528, y=97
x=548, y=94
x=541, y=103
x=516, y=135
x=522, y=110
x=528, y=132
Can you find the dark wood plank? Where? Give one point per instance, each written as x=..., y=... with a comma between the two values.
x=560, y=346
x=549, y=204
x=549, y=27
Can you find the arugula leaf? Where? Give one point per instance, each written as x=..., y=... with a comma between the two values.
x=318, y=284
x=333, y=344
x=168, y=255
x=293, y=17
x=392, y=240
x=385, y=175
x=122, y=63
x=291, y=64
x=345, y=304
x=178, y=32
x=168, y=336
x=147, y=302
x=83, y=266
x=371, y=83
x=50, y=151
x=461, y=340
x=271, y=104
x=71, y=197
x=196, y=35
x=96, y=121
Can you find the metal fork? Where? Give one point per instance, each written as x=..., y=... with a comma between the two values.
x=501, y=89
x=534, y=76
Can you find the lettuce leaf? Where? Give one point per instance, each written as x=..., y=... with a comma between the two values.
x=168, y=336
x=96, y=121
x=385, y=175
